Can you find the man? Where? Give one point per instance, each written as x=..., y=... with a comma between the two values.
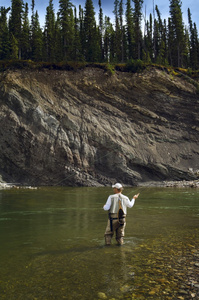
x=112, y=205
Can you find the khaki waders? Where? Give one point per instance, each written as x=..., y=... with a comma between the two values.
x=113, y=225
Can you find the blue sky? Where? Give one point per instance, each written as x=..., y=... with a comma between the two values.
x=108, y=6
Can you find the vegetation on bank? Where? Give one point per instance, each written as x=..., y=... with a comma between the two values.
x=133, y=66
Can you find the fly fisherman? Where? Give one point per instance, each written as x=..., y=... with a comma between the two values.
x=117, y=205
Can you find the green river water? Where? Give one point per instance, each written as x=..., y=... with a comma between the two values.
x=52, y=245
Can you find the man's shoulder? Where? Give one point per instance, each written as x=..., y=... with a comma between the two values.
x=124, y=197
x=112, y=196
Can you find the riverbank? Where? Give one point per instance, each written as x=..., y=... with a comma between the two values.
x=180, y=184
x=184, y=183
x=4, y=185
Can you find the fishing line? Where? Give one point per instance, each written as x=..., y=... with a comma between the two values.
x=139, y=189
x=100, y=158
x=116, y=150
x=95, y=160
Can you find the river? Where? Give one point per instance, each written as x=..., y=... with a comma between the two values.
x=52, y=245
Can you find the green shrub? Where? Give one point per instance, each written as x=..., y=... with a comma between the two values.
x=110, y=69
x=135, y=66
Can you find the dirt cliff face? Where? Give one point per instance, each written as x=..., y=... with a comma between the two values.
x=91, y=128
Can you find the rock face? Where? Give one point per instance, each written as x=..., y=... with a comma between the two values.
x=91, y=128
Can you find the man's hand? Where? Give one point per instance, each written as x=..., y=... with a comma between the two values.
x=136, y=196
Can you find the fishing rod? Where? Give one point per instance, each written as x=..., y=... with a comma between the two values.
x=139, y=189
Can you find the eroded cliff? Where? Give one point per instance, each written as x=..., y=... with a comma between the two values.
x=92, y=128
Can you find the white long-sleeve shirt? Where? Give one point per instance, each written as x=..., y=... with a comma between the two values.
x=124, y=200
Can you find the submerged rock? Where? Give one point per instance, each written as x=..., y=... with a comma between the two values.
x=102, y=295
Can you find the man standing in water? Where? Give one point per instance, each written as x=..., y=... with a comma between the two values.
x=112, y=205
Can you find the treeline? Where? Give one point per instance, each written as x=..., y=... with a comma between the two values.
x=74, y=34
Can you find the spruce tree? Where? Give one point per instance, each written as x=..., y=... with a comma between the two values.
x=165, y=43
x=137, y=17
x=171, y=45
x=196, y=47
x=101, y=30
x=4, y=34
x=159, y=39
x=82, y=31
x=67, y=28
x=49, y=33
x=148, y=42
x=15, y=23
x=37, y=39
x=117, y=31
x=129, y=30
x=186, y=60
x=14, y=47
x=58, y=41
x=177, y=28
x=109, y=41
x=122, y=31
x=77, y=54
x=92, y=45
x=193, y=49
x=25, y=35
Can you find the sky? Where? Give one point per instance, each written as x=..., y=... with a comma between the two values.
x=108, y=7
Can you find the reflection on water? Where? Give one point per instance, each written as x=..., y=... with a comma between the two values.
x=52, y=244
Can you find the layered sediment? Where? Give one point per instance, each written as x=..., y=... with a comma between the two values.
x=90, y=128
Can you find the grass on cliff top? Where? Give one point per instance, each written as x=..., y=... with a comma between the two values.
x=133, y=66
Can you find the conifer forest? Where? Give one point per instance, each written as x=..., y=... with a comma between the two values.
x=82, y=34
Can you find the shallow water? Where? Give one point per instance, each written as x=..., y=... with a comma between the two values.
x=52, y=244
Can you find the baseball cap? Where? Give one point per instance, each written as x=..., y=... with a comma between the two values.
x=117, y=186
